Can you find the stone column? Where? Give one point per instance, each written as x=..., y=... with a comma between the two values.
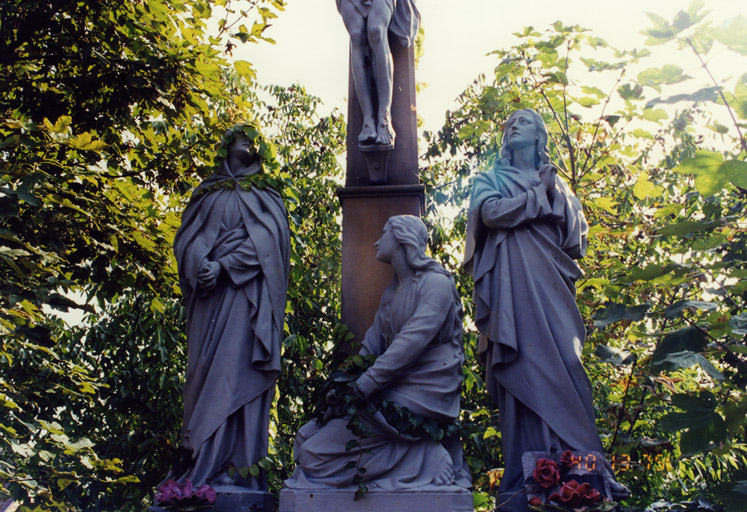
x=366, y=206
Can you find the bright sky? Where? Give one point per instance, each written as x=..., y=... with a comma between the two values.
x=312, y=44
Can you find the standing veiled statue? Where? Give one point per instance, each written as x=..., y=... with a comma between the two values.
x=232, y=251
x=525, y=230
x=369, y=22
x=416, y=338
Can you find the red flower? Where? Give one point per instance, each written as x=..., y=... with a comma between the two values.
x=566, y=459
x=546, y=473
x=573, y=494
x=535, y=502
x=568, y=495
x=589, y=495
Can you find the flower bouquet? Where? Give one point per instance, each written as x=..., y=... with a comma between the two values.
x=571, y=481
x=176, y=496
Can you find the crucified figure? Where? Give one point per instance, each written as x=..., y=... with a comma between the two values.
x=368, y=22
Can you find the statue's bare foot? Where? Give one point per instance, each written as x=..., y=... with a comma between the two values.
x=618, y=490
x=385, y=133
x=445, y=475
x=368, y=132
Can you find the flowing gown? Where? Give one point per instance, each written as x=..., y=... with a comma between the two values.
x=417, y=336
x=521, y=248
x=234, y=333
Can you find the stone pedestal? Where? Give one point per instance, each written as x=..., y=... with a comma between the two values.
x=365, y=211
x=236, y=501
x=375, y=501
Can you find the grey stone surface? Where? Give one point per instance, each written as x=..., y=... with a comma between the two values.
x=370, y=23
x=417, y=338
x=525, y=230
x=232, y=251
x=236, y=501
x=292, y=500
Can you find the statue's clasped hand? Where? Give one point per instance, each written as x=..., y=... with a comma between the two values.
x=547, y=173
x=207, y=277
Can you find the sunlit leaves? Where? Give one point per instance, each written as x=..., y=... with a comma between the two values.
x=667, y=74
x=712, y=173
x=245, y=70
x=645, y=188
x=733, y=34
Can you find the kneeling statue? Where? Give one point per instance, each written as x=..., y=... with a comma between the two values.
x=416, y=338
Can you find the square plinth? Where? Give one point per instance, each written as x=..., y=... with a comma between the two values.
x=294, y=500
x=239, y=501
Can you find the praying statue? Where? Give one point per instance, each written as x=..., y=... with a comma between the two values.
x=369, y=23
x=232, y=253
x=526, y=228
x=415, y=380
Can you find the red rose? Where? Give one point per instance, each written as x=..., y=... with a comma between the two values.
x=546, y=473
x=535, y=502
x=568, y=495
x=566, y=459
x=589, y=495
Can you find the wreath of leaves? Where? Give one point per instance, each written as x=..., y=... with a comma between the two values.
x=351, y=404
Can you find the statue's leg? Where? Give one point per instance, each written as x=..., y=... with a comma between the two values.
x=356, y=26
x=383, y=68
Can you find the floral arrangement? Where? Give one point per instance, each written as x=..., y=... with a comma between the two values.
x=567, y=483
x=178, y=496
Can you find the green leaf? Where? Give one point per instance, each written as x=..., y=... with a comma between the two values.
x=702, y=425
x=84, y=141
x=60, y=126
x=588, y=101
x=593, y=91
x=62, y=483
x=665, y=75
x=687, y=339
x=701, y=95
x=736, y=172
x=245, y=70
x=613, y=355
x=655, y=115
x=688, y=227
x=687, y=359
x=677, y=309
x=653, y=271
x=733, y=34
x=738, y=324
x=645, y=188
x=612, y=313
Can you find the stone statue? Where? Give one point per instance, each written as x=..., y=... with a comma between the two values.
x=525, y=230
x=369, y=22
x=232, y=251
x=417, y=338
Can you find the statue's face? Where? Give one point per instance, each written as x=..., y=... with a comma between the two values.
x=386, y=245
x=241, y=149
x=521, y=130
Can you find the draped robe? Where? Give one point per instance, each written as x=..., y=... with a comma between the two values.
x=234, y=332
x=417, y=338
x=521, y=246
